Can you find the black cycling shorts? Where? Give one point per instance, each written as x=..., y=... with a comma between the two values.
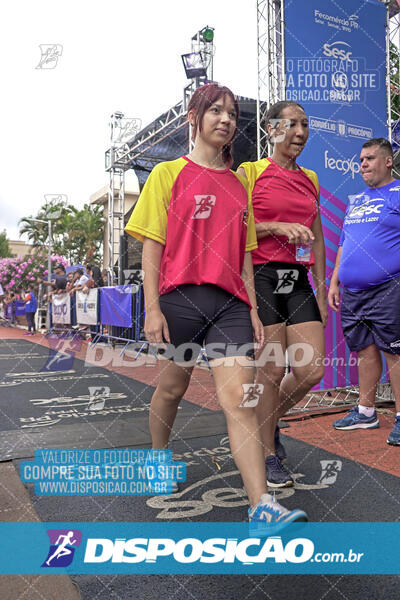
x=206, y=316
x=284, y=294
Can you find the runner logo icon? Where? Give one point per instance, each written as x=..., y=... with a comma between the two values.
x=204, y=204
x=62, y=547
x=286, y=281
x=251, y=394
x=329, y=471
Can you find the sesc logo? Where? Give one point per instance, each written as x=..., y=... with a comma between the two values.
x=339, y=50
x=191, y=550
x=367, y=208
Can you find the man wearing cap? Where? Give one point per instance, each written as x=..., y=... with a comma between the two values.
x=368, y=267
x=59, y=283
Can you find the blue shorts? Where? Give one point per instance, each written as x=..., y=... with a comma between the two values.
x=372, y=316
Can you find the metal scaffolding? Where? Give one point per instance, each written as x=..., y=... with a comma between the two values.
x=136, y=153
x=393, y=77
x=271, y=89
x=270, y=64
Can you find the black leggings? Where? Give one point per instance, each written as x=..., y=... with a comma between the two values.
x=30, y=317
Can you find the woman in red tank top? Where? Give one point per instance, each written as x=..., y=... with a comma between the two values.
x=290, y=242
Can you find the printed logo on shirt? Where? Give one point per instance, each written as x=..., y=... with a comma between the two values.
x=395, y=344
x=286, y=281
x=366, y=208
x=395, y=189
x=204, y=204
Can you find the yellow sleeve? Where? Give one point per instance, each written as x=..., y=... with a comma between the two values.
x=150, y=215
x=313, y=176
x=251, y=239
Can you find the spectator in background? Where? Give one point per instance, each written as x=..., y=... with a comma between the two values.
x=9, y=299
x=80, y=280
x=30, y=310
x=104, y=275
x=59, y=284
x=95, y=274
x=70, y=282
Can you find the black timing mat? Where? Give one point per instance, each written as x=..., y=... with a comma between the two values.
x=213, y=492
x=50, y=399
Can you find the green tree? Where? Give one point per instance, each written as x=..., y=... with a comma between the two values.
x=77, y=234
x=86, y=233
x=5, y=251
x=38, y=233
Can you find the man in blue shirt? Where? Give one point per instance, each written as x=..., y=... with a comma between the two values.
x=368, y=267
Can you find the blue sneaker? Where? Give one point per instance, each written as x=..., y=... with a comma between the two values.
x=269, y=517
x=355, y=420
x=279, y=447
x=394, y=436
x=277, y=475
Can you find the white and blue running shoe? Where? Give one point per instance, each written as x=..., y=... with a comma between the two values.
x=268, y=517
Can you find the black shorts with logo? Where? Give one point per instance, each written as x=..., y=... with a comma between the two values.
x=372, y=316
x=284, y=294
x=207, y=316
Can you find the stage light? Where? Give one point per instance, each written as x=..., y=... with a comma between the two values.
x=194, y=65
x=207, y=34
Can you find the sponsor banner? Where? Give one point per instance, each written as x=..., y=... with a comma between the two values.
x=198, y=548
x=86, y=307
x=115, y=306
x=19, y=308
x=61, y=312
x=9, y=310
x=335, y=63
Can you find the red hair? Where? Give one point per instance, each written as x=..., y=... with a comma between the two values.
x=204, y=97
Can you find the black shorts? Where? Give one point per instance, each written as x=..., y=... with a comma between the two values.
x=284, y=294
x=206, y=316
x=372, y=316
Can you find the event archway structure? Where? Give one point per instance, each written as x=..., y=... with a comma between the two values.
x=168, y=137
x=271, y=60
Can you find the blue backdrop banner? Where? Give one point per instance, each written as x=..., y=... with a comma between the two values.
x=335, y=66
x=115, y=306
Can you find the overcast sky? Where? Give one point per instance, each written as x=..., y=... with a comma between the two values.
x=124, y=55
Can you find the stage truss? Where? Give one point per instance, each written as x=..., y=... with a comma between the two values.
x=271, y=89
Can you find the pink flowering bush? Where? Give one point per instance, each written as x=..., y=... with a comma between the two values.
x=23, y=271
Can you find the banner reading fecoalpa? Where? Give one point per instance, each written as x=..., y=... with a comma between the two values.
x=335, y=66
